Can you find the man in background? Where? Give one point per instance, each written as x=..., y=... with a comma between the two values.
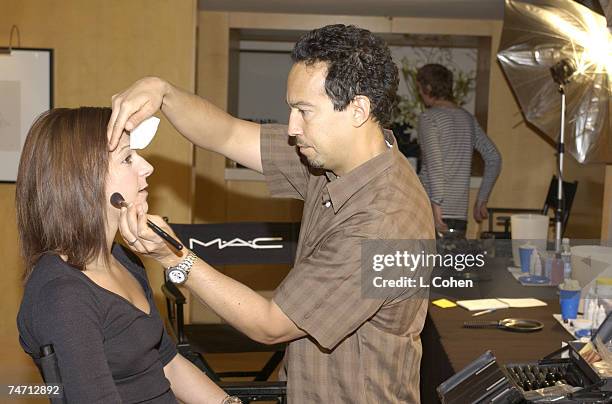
x=448, y=135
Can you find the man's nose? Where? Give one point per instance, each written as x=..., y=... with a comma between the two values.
x=295, y=123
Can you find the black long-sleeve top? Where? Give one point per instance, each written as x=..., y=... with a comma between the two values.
x=108, y=350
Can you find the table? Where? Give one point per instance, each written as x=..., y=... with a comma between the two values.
x=448, y=347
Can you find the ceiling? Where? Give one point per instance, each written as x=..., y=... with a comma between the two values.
x=472, y=9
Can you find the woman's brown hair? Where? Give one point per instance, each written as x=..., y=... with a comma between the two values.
x=60, y=195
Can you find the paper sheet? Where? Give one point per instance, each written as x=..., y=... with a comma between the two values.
x=501, y=303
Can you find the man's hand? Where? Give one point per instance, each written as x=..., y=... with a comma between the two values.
x=141, y=239
x=439, y=223
x=143, y=99
x=480, y=211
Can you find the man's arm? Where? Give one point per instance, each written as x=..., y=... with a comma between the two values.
x=189, y=384
x=198, y=120
x=259, y=318
x=429, y=139
x=438, y=219
x=492, y=160
x=246, y=310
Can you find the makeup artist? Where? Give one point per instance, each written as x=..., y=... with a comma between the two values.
x=355, y=185
x=85, y=295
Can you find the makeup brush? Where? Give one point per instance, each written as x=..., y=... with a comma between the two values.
x=118, y=202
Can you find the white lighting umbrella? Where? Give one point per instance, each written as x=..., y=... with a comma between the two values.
x=557, y=56
x=537, y=35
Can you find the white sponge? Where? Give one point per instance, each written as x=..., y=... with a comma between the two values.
x=143, y=134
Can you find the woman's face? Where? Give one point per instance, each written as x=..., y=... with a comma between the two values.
x=127, y=174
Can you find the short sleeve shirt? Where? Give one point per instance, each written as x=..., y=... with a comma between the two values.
x=358, y=350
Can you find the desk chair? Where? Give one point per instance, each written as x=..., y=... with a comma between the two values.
x=49, y=370
x=228, y=244
x=246, y=391
x=569, y=192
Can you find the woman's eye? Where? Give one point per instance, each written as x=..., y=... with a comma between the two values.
x=128, y=159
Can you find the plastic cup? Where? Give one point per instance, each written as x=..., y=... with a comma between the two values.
x=525, y=254
x=527, y=228
x=569, y=300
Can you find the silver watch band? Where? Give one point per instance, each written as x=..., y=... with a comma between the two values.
x=231, y=400
x=186, y=264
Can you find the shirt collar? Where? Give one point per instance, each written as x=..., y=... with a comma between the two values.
x=340, y=189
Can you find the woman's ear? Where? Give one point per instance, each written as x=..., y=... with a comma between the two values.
x=360, y=107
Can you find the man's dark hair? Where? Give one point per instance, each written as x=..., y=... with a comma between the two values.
x=436, y=81
x=358, y=63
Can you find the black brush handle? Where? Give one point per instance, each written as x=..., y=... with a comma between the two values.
x=158, y=230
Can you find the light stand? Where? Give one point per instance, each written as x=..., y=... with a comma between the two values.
x=561, y=73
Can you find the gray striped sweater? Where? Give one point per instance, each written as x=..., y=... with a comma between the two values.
x=448, y=137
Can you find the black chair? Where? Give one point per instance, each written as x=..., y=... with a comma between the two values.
x=246, y=391
x=228, y=244
x=49, y=370
x=569, y=192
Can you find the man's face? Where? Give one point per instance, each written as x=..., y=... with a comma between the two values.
x=320, y=131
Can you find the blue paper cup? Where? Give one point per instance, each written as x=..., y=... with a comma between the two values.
x=569, y=300
x=525, y=254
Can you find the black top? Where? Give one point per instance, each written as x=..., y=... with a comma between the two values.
x=108, y=350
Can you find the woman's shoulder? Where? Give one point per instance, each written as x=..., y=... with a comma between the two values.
x=53, y=281
x=54, y=292
x=50, y=268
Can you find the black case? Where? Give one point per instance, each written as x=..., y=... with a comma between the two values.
x=482, y=381
x=485, y=381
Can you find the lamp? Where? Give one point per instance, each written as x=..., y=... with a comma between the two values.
x=537, y=35
x=565, y=40
x=561, y=73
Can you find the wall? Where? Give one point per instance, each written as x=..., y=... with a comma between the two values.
x=529, y=161
x=101, y=47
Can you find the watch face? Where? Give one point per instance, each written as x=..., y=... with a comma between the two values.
x=176, y=276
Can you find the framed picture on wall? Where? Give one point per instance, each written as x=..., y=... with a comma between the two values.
x=26, y=91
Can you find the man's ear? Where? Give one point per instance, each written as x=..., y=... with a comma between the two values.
x=360, y=110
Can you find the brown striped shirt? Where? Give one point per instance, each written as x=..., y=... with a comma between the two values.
x=358, y=350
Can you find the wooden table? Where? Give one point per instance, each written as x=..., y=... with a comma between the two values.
x=448, y=347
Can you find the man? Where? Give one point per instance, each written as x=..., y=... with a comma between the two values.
x=448, y=136
x=355, y=185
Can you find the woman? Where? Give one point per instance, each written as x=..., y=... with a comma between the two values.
x=84, y=294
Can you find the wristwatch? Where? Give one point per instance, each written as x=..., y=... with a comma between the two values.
x=178, y=274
